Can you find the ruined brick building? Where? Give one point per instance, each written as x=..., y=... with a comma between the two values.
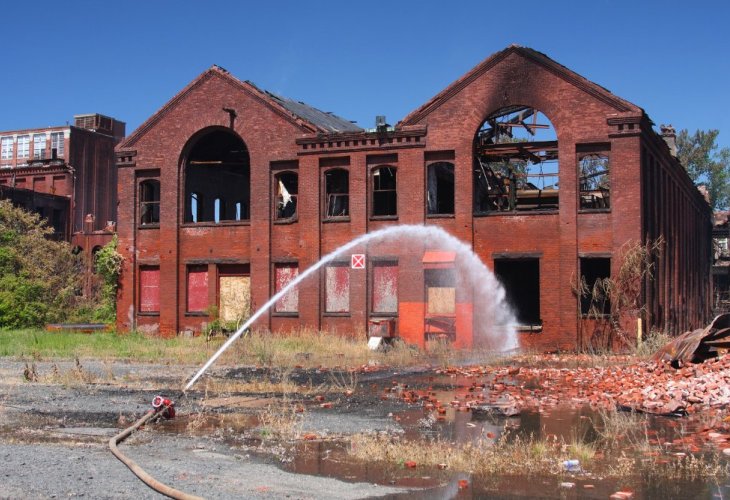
x=228, y=192
x=67, y=175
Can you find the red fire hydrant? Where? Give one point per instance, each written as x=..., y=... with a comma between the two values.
x=164, y=406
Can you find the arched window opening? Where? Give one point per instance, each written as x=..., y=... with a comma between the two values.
x=149, y=202
x=440, y=189
x=515, y=162
x=337, y=193
x=594, y=182
x=385, y=195
x=287, y=189
x=196, y=207
x=217, y=168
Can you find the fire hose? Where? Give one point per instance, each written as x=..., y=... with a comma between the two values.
x=161, y=408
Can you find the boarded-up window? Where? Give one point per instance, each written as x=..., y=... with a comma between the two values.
x=149, y=289
x=283, y=275
x=197, y=288
x=337, y=288
x=385, y=288
x=234, y=298
x=440, y=291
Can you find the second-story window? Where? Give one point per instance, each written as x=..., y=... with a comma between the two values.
x=385, y=197
x=6, y=148
x=57, y=143
x=23, y=146
x=337, y=193
x=149, y=202
x=39, y=146
x=287, y=188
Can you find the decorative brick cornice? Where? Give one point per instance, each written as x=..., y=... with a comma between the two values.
x=399, y=138
x=126, y=158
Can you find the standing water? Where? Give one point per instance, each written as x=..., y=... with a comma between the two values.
x=494, y=321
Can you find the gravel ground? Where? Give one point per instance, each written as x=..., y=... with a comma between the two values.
x=53, y=440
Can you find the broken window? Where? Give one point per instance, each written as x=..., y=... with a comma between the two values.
x=521, y=281
x=440, y=189
x=283, y=275
x=384, y=290
x=595, y=275
x=337, y=288
x=515, y=162
x=197, y=288
x=337, y=193
x=217, y=169
x=149, y=202
x=149, y=289
x=595, y=187
x=287, y=187
x=385, y=199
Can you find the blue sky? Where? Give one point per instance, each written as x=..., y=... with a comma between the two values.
x=126, y=59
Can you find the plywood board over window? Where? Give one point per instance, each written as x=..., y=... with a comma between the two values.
x=149, y=289
x=285, y=274
x=337, y=288
x=385, y=288
x=197, y=288
x=234, y=298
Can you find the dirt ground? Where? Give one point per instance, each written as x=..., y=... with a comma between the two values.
x=53, y=438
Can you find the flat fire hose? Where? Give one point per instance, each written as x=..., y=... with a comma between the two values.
x=139, y=471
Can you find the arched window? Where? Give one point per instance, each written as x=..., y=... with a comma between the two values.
x=515, y=162
x=385, y=195
x=149, y=202
x=287, y=189
x=217, y=168
x=594, y=183
x=440, y=188
x=337, y=193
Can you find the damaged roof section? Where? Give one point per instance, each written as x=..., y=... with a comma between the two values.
x=322, y=119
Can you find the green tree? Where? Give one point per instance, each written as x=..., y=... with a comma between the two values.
x=706, y=164
x=39, y=278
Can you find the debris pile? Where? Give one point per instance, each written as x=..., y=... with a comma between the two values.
x=698, y=345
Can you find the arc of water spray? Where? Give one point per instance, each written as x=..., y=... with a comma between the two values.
x=375, y=235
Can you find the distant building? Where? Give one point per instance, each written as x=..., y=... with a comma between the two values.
x=228, y=192
x=67, y=174
x=721, y=262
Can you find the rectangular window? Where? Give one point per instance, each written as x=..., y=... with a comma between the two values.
x=6, y=148
x=337, y=288
x=384, y=290
x=283, y=275
x=595, y=272
x=594, y=182
x=23, y=146
x=521, y=281
x=440, y=291
x=149, y=289
x=197, y=288
x=39, y=146
x=57, y=143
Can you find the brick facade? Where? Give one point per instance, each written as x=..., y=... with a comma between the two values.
x=280, y=137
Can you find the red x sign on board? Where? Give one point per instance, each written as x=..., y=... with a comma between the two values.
x=357, y=261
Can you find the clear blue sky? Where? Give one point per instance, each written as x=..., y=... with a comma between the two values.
x=357, y=59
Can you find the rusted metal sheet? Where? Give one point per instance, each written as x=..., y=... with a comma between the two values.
x=234, y=298
x=337, y=289
x=149, y=289
x=285, y=274
x=197, y=288
x=436, y=259
x=385, y=288
x=697, y=345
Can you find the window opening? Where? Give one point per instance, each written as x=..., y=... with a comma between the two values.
x=337, y=288
x=218, y=169
x=440, y=189
x=337, y=193
x=23, y=146
x=385, y=195
x=197, y=288
x=516, y=162
x=6, y=148
x=57, y=143
x=594, y=182
x=521, y=281
x=283, y=275
x=39, y=146
x=149, y=204
x=287, y=188
x=384, y=290
x=440, y=288
x=595, y=274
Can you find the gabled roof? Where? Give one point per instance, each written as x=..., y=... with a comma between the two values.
x=307, y=118
x=595, y=90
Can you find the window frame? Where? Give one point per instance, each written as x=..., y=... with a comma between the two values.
x=143, y=203
x=373, y=191
x=280, y=265
x=429, y=167
x=605, y=193
x=325, y=310
x=327, y=193
x=293, y=196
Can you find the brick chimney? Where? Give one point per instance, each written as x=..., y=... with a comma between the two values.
x=670, y=137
